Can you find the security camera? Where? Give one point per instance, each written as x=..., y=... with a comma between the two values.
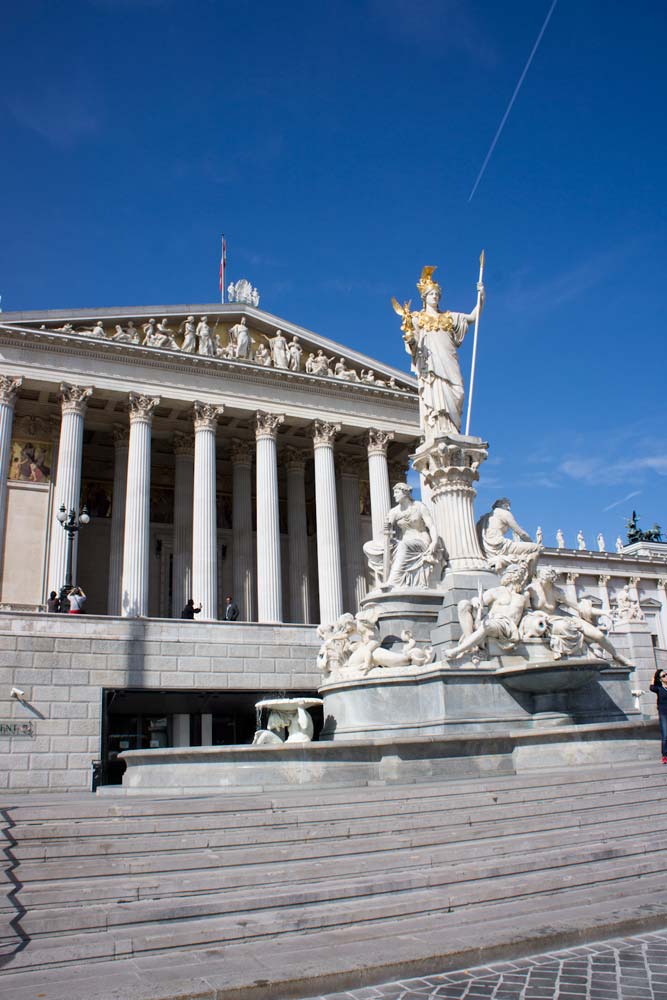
x=17, y=693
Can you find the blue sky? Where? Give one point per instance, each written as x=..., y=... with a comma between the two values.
x=336, y=145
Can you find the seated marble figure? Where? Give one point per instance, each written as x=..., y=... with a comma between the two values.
x=410, y=554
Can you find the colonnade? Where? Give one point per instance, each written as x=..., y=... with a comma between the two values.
x=341, y=574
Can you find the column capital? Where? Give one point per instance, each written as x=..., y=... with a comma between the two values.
x=571, y=578
x=121, y=437
x=74, y=398
x=294, y=459
x=661, y=583
x=324, y=433
x=634, y=581
x=184, y=443
x=206, y=415
x=9, y=387
x=604, y=579
x=242, y=451
x=378, y=440
x=141, y=407
x=348, y=465
x=267, y=424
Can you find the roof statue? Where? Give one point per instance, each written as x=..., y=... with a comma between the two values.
x=242, y=291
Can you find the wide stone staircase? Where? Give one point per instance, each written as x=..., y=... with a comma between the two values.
x=250, y=896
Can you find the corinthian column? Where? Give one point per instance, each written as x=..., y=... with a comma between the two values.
x=137, y=507
x=269, y=590
x=121, y=440
x=184, y=471
x=353, y=563
x=9, y=388
x=328, y=543
x=378, y=474
x=297, y=530
x=68, y=476
x=204, y=527
x=242, y=555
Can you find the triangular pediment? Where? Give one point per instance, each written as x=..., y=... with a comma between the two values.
x=218, y=332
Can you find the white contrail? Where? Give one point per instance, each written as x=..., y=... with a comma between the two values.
x=635, y=493
x=513, y=99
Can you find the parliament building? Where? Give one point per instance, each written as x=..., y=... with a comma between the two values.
x=153, y=455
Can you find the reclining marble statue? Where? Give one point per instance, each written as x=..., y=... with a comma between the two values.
x=432, y=339
x=410, y=554
x=352, y=646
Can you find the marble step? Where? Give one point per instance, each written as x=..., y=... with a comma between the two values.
x=540, y=892
x=176, y=859
x=637, y=855
x=266, y=872
x=298, y=964
x=47, y=808
x=304, y=828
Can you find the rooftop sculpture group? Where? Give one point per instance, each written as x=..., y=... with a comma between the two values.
x=194, y=336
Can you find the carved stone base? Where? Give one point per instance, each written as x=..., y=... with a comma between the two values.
x=416, y=610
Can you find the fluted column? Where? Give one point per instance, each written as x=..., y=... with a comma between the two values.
x=68, y=476
x=450, y=467
x=571, y=580
x=137, y=507
x=204, y=527
x=269, y=586
x=297, y=529
x=328, y=542
x=661, y=584
x=603, y=584
x=352, y=554
x=378, y=475
x=9, y=388
x=184, y=472
x=121, y=443
x=242, y=555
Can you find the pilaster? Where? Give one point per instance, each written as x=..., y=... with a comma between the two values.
x=294, y=460
x=9, y=388
x=121, y=444
x=352, y=552
x=243, y=561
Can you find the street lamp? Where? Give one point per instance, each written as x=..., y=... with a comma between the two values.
x=71, y=524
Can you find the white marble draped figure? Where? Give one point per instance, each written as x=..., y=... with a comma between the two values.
x=432, y=339
x=410, y=554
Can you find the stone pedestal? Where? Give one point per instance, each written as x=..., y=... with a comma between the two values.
x=456, y=587
x=416, y=610
x=633, y=640
x=449, y=466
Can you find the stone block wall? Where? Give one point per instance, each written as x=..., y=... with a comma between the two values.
x=62, y=663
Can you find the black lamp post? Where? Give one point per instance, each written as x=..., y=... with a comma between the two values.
x=71, y=524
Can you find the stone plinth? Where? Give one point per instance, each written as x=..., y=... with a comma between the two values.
x=199, y=770
x=456, y=587
x=438, y=699
x=449, y=466
x=634, y=640
x=406, y=608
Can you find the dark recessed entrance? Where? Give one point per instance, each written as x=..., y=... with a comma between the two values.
x=138, y=719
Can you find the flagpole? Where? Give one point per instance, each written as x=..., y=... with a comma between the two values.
x=474, y=342
x=223, y=263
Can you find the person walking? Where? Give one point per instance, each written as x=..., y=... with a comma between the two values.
x=189, y=611
x=231, y=610
x=659, y=688
x=53, y=603
x=77, y=599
